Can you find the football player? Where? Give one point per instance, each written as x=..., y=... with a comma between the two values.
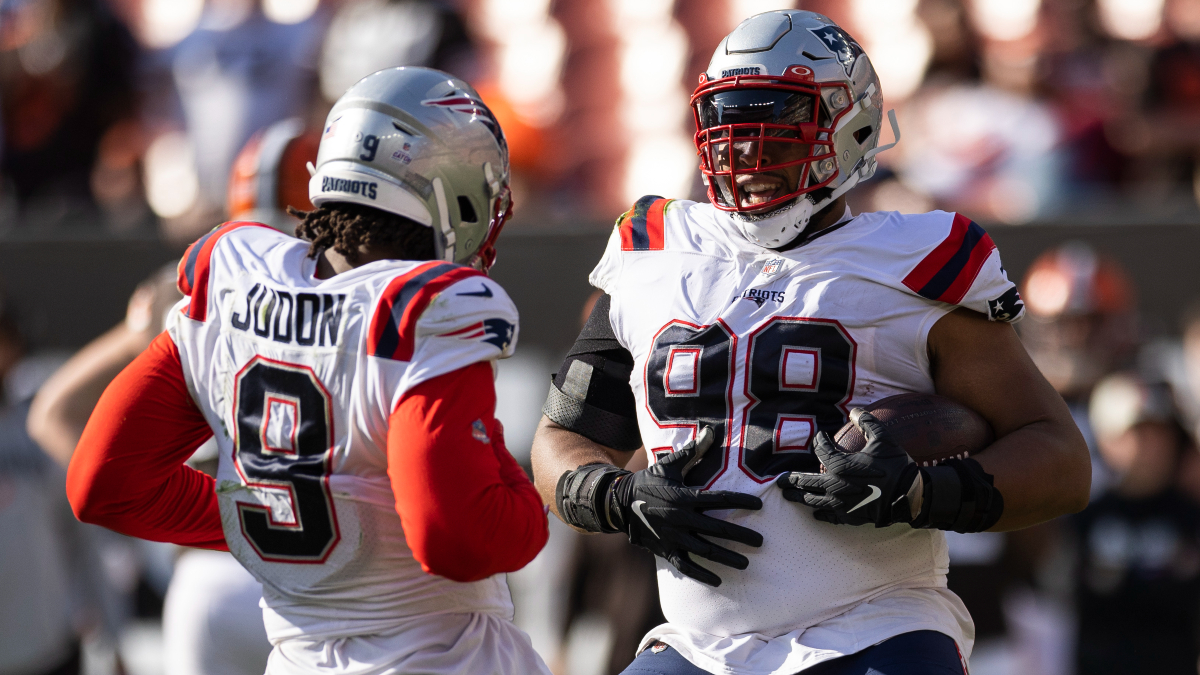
x=745, y=330
x=347, y=379
x=212, y=623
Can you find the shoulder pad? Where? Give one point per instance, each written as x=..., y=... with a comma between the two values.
x=947, y=272
x=641, y=227
x=193, y=271
x=394, y=325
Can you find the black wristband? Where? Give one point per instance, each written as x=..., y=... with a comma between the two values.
x=580, y=495
x=959, y=496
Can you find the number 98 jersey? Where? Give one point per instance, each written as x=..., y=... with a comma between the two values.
x=768, y=348
x=297, y=376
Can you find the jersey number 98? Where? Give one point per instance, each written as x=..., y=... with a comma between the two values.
x=282, y=449
x=797, y=378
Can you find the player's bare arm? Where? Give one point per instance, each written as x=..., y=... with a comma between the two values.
x=557, y=450
x=1036, y=469
x=1039, y=461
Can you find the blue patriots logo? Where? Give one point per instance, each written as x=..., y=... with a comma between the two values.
x=1007, y=307
x=498, y=332
x=840, y=44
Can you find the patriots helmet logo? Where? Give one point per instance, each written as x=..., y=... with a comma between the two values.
x=498, y=332
x=462, y=102
x=840, y=43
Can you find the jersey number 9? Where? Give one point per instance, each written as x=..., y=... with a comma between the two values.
x=282, y=450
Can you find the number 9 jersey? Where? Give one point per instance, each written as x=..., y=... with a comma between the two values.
x=767, y=348
x=297, y=376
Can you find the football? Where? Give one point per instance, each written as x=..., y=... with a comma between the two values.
x=930, y=428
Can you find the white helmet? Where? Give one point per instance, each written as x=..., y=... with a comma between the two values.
x=419, y=143
x=805, y=98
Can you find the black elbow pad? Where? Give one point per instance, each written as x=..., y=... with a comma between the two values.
x=590, y=397
x=590, y=394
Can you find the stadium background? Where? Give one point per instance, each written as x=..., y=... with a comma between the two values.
x=1047, y=121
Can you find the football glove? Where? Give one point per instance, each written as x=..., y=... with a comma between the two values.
x=857, y=488
x=882, y=485
x=658, y=512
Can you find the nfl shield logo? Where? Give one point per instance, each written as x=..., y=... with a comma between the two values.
x=772, y=267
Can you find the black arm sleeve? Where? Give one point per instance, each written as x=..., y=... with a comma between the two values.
x=590, y=394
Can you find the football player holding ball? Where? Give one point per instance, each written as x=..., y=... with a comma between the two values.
x=736, y=336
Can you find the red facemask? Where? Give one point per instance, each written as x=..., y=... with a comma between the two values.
x=765, y=140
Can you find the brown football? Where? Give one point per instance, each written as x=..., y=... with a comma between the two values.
x=930, y=428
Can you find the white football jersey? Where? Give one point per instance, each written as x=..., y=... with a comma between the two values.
x=297, y=376
x=768, y=348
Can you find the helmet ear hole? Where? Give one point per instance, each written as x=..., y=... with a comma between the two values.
x=466, y=211
x=863, y=134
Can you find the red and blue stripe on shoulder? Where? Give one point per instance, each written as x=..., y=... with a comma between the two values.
x=393, y=332
x=946, y=274
x=642, y=226
x=195, y=267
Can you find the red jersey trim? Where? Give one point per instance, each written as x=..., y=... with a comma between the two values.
x=393, y=330
x=946, y=274
x=642, y=227
x=195, y=264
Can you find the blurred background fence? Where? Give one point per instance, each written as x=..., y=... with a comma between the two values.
x=66, y=290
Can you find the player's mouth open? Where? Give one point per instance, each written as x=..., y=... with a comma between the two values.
x=757, y=189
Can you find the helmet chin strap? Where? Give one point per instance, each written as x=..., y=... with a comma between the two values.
x=788, y=216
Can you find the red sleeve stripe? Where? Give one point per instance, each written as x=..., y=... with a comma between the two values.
x=194, y=268
x=394, y=326
x=946, y=274
x=642, y=226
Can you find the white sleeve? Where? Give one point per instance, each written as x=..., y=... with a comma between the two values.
x=469, y=321
x=605, y=275
x=956, y=262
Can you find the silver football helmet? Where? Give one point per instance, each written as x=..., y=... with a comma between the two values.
x=787, y=116
x=419, y=143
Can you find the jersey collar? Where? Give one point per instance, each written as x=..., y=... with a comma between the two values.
x=807, y=238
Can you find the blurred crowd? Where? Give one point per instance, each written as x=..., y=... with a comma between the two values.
x=160, y=118
x=127, y=115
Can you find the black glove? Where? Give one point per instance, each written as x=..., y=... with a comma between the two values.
x=658, y=512
x=877, y=485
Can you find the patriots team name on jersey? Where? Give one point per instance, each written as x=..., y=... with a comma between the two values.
x=354, y=187
x=306, y=319
x=758, y=296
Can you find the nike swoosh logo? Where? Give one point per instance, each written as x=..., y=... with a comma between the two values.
x=875, y=493
x=637, y=508
x=485, y=293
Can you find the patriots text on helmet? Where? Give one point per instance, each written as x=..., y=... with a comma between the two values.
x=746, y=70
x=354, y=187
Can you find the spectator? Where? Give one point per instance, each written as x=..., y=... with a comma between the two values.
x=66, y=75
x=1081, y=322
x=54, y=589
x=237, y=73
x=1137, y=574
x=371, y=35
